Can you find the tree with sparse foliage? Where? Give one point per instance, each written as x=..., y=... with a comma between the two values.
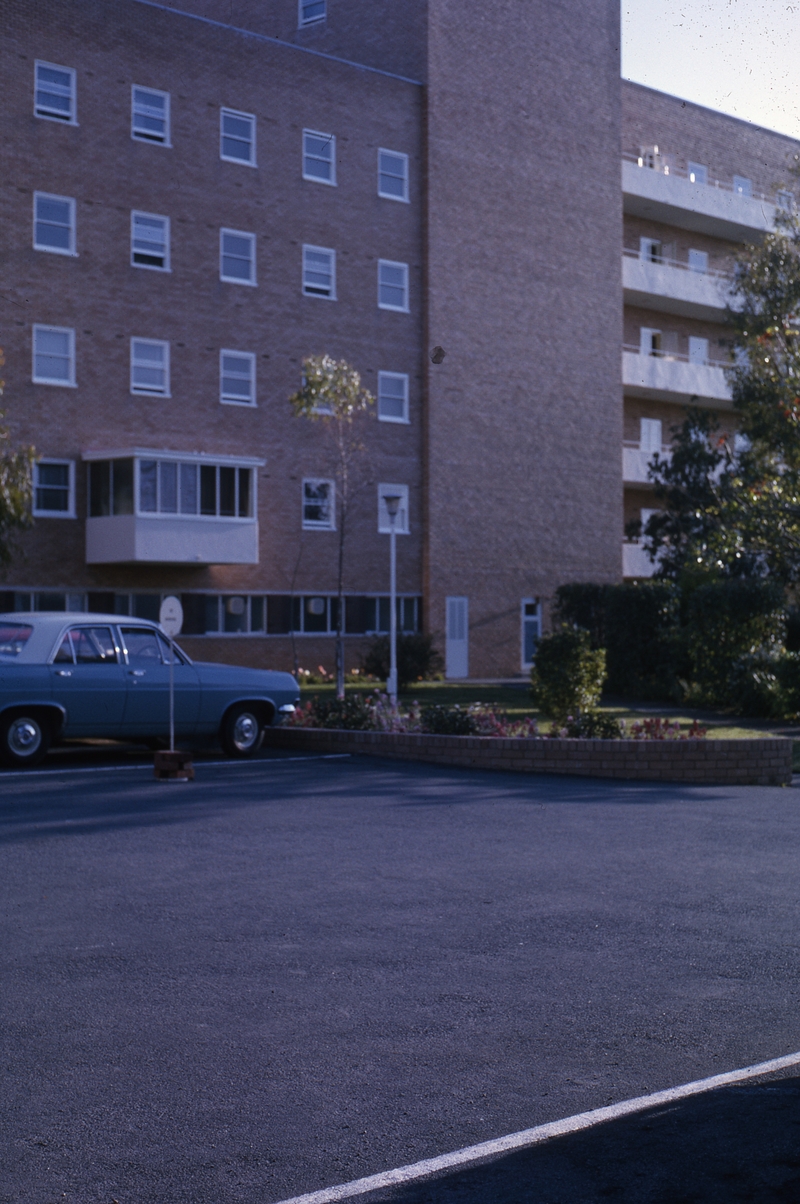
x=16, y=488
x=332, y=395
x=735, y=510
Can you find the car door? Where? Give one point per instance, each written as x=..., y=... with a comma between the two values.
x=89, y=681
x=147, y=699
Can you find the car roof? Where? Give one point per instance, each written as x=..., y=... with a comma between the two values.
x=48, y=625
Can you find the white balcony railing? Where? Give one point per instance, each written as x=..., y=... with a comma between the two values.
x=672, y=287
x=665, y=194
x=636, y=461
x=672, y=377
x=635, y=561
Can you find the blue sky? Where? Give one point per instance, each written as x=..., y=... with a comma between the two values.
x=740, y=56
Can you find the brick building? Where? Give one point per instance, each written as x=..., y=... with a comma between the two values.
x=194, y=201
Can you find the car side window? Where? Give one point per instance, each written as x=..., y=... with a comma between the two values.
x=142, y=645
x=87, y=646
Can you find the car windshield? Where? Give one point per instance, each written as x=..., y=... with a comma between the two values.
x=14, y=637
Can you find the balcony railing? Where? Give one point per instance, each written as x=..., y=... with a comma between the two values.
x=636, y=461
x=681, y=265
x=665, y=165
x=671, y=376
x=635, y=561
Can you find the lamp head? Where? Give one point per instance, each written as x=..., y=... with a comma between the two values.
x=392, y=502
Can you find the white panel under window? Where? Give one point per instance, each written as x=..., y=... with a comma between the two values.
x=698, y=350
x=698, y=172
x=150, y=241
x=53, y=355
x=54, y=488
x=392, y=175
x=150, y=115
x=319, y=272
x=393, y=285
x=53, y=223
x=55, y=94
x=698, y=261
x=319, y=505
x=237, y=137
x=401, y=521
x=742, y=186
x=237, y=377
x=150, y=367
x=237, y=257
x=310, y=11
x=319, y=157
x=392, y=397
x=650, y=434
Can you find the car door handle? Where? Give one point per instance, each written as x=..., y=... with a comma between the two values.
x=63, y=673
x=136, y=672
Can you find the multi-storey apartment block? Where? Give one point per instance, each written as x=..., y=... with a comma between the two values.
x=193, y=201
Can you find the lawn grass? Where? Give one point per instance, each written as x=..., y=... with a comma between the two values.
x=516, y=702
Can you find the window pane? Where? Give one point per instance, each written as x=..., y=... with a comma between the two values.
x=148, y=486
x=256, y=614
x=54, y=92
x=392, y=175
x=234, y=610
x=317, y=504
x=142, y=646
x=148, y=367
x=149, y=240
x=53, y=226
x=245, y=504
x=52, y=487
x=208, y=489
x=53, y=355
x=318, y=272
x=237, y=377
x=311, y=10
x=227, y=492
x=392, y=396
x=238, y=137
x=188, y=474
x=238, y=254
x=168, y=474
x=122, y=486
x=319, y=156
x=99, y=488
x=93, y=646
x=392, y=285
x=150, y=115
x=315, y=614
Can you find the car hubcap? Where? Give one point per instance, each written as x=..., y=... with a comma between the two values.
x=24, y=737
x=245, y=732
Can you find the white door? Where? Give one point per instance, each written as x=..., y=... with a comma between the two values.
x=457, y=638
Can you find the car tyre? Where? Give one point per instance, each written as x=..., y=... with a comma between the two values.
x=241, y=731
x=24, y=740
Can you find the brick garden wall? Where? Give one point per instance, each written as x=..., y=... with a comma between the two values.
x=765, y=762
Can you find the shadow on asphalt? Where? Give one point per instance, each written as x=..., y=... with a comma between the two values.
x=739, y=1143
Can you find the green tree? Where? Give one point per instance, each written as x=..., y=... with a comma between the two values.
x=333, y=396
x=16, y=488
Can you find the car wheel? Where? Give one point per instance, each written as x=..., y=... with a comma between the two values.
x=242, y=729
x=24, y=740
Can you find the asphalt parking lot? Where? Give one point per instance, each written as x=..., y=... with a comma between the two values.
x=296, y=972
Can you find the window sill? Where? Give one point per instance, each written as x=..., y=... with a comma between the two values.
x=319, y=180
x=235, y=280
x=53, y=117
x=230, y=401
x=150, y=141
x=395, y=421
x=55, y=251
x=321, y=296
x=53, y=514
x=151, y=267
x=238, y=162
x=59, y=384
x=395, y=309
x=387, y=196
x=147, y=393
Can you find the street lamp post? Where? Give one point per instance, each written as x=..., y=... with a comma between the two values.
x=392, y=503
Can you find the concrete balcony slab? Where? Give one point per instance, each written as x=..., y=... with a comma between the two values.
x=660, y=378
x=674, y=290
x=706, y=208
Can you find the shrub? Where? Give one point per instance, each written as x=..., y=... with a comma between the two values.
x=417, y=659
x=754, y=687
x=352, y=712
x=447, y=721
x=583, y=604
x=567, y=677
x=643, y=640
x=733, y=621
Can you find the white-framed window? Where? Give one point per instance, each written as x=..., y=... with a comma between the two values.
x=53, y=223
x=319, y=272
x=319, y=505
x=150, y=367
x=401, y=522
x=150, y=115
x=650, y=434
x=237, y=378
x=698, y=350
x=392, y=175
x=742, y=186
x=392, y=397
x=698, y=172
x=53, y=356
x=310, y=11
x=237, y=137
x=698, y=260
x=531, y=629
x=237, y=257
x=54, y=488
x=393, y=285
x=319, y=157
x=649, y=341
x=55, y=93
x=149, y=241
x=650, y=250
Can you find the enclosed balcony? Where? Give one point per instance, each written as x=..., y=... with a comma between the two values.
x=670, y=376
x=656, y=189
x=651, y=280
x=162, y=507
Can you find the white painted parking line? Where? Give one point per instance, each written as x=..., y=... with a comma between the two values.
x=33, y=775
x=530, y=1137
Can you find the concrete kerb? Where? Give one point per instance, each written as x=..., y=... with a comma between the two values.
x=744, y=762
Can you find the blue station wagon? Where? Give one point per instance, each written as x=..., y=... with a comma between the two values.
x=78, y=675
